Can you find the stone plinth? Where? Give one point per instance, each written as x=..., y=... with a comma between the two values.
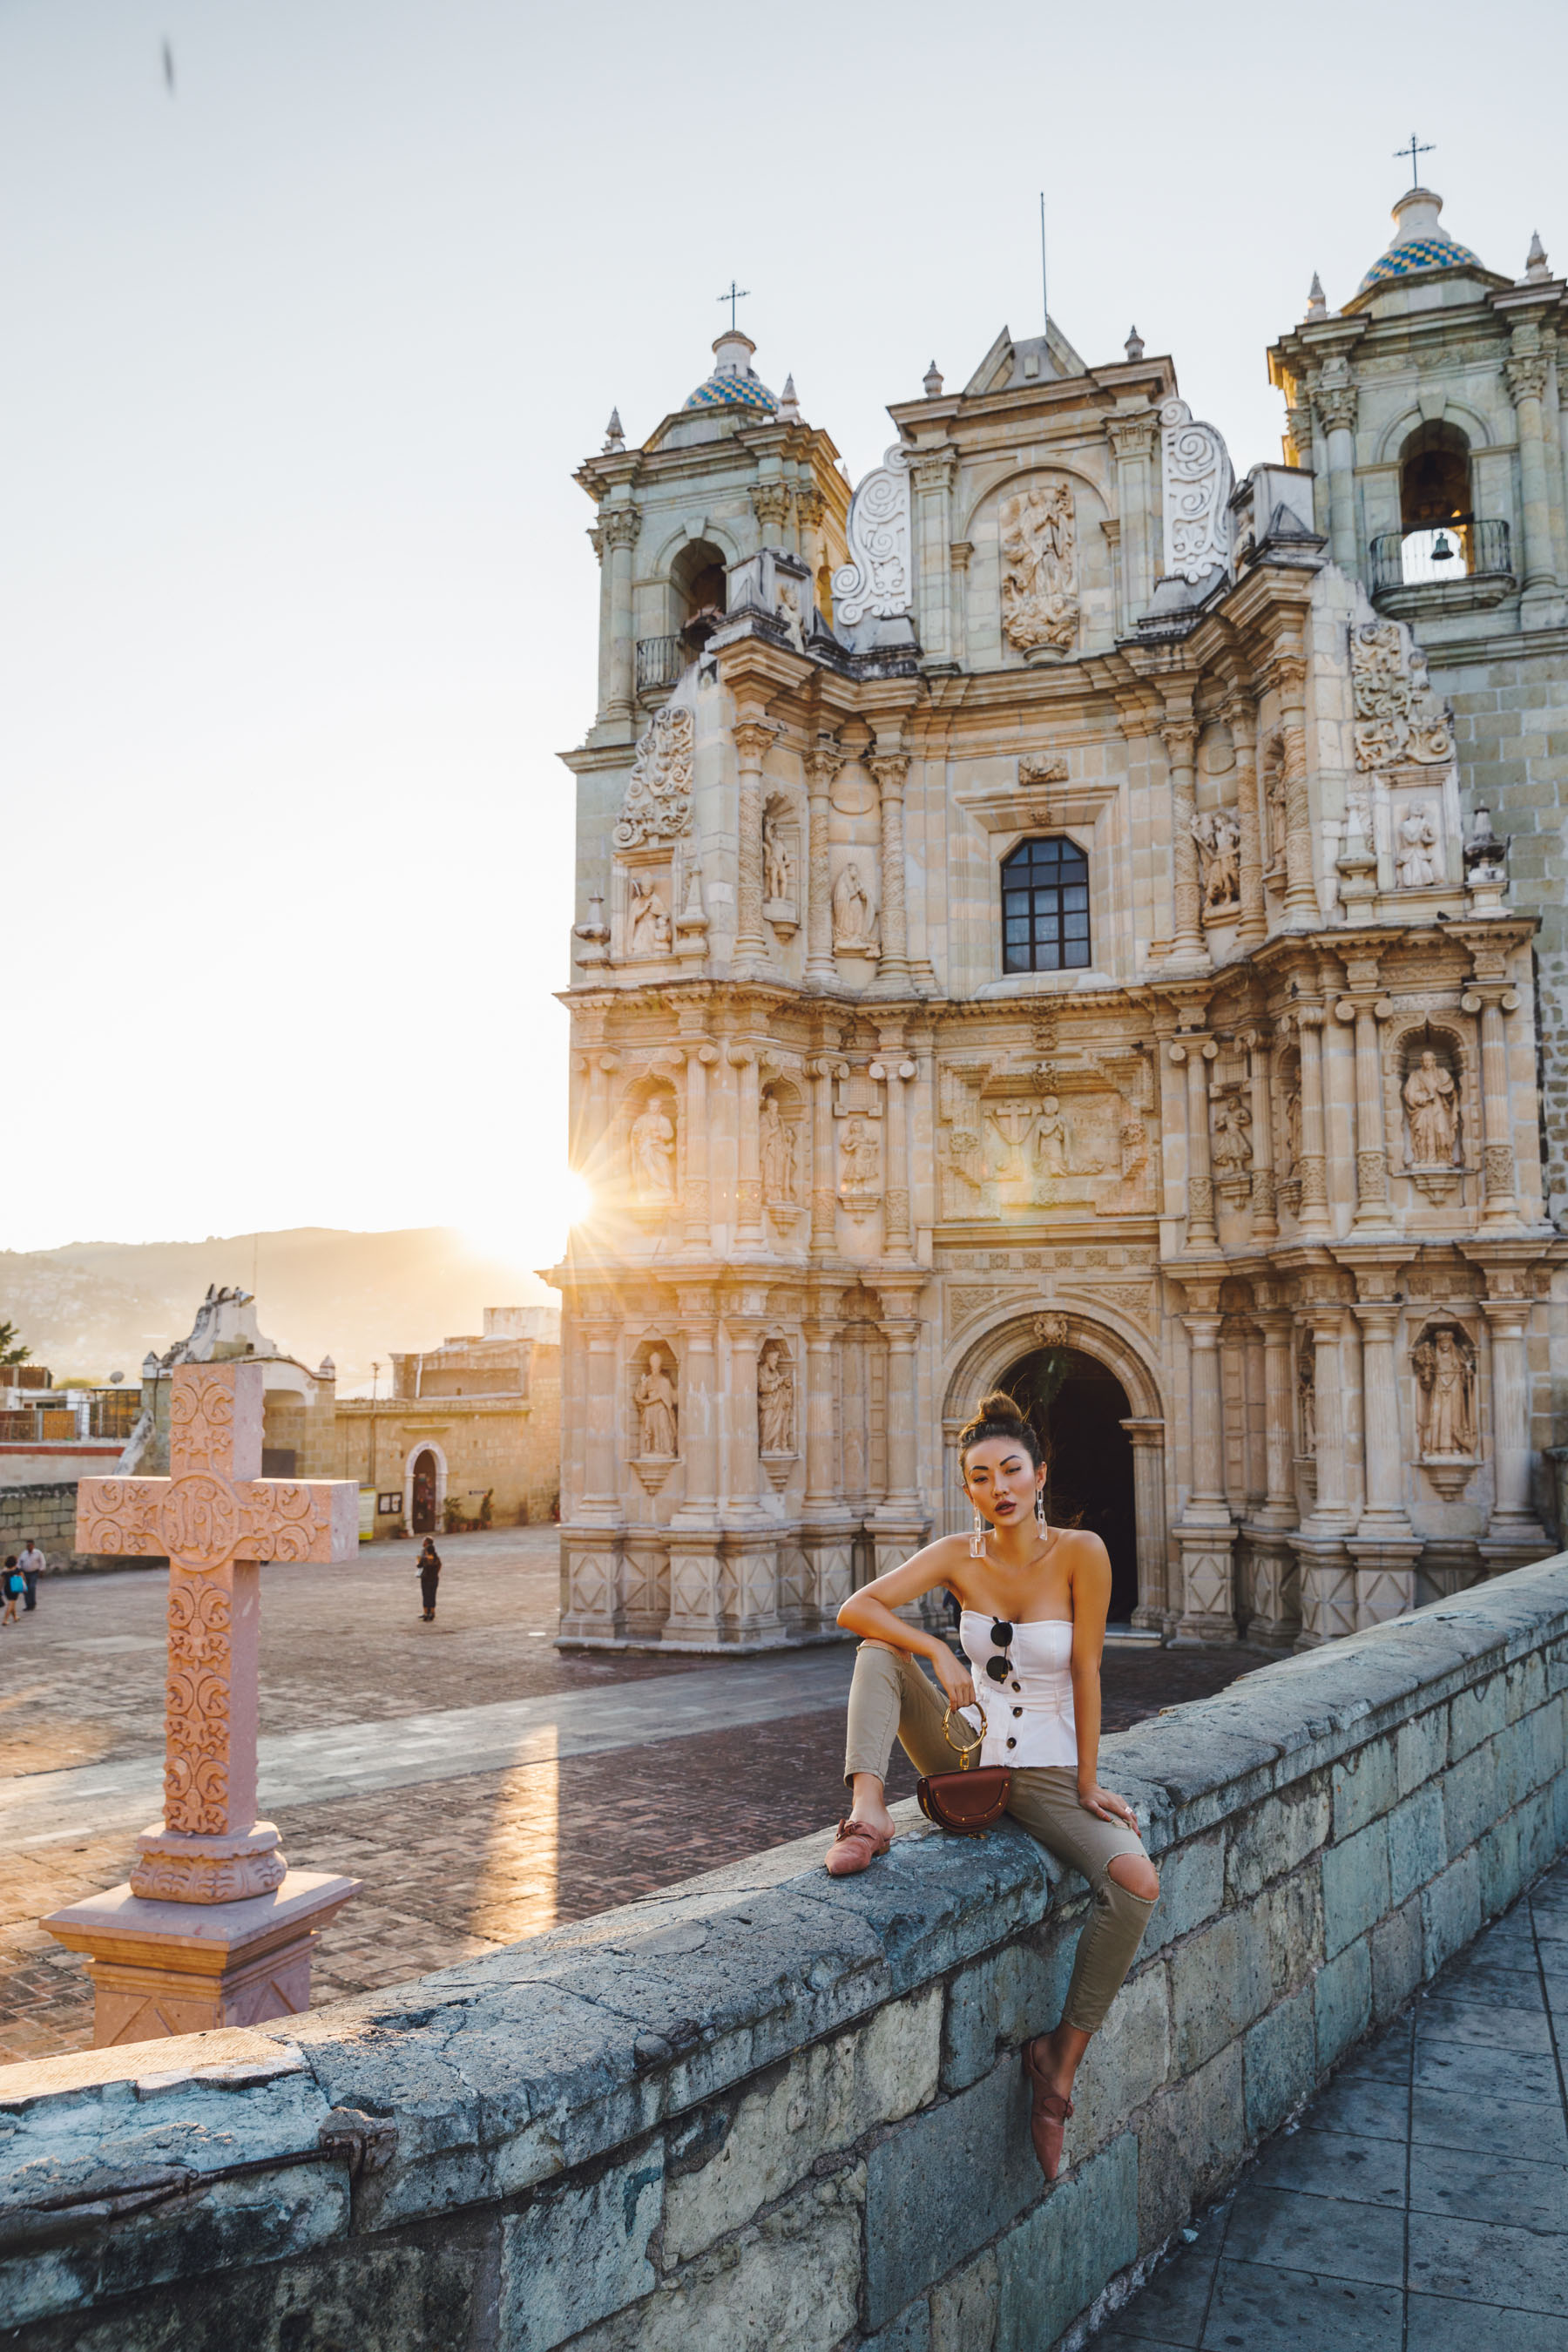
x=180, y=1967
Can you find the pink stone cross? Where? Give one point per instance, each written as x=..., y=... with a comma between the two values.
x=216, y=1520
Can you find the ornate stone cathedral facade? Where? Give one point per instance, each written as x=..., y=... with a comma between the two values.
x=1065, y=918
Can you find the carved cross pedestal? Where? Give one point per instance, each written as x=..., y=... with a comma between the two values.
x=213, y=1928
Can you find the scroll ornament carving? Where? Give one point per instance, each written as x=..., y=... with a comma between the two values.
x=1526, y=372
x=877, y=582
x=196, y=1702
x=775, y=1400
x=1397, y=714
x=658, y=1412
x=203, y=1518
x=1039, y=567
x=163, y=1877
x=1218, y=836
x=1444, y=1359
x=658, y=806
x=1198, y=483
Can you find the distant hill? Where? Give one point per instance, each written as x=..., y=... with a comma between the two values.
x=95, y=1308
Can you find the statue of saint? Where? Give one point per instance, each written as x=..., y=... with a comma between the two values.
x=651, y=920
x=859, y=1170
x=1432, y=1104
x=778, y=867
x=1051, y=1139
x=1446, y=1374
x=1416, y=862
x=656, y=1410
x=1231, y=1146
x=653, y=1154
x=853, y=923
x=1218, y=836
x=775, y=1400
x=1293, y=1123
x=1307, y=1394
x=777, y=1153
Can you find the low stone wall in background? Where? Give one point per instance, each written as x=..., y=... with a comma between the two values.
x=47, y=1512
x=768, y=2109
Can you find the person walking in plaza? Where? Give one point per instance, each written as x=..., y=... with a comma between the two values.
x=429, y=1578
x=32, y=1564
x=16, y=1586
x=1032, y=1600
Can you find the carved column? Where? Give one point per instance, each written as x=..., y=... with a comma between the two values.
x=1527, y=375
x=896, y=1072
x=932, y=474
x=1187, y=945
x=1328, y=1578
x=891, y=771
x=1276, y=1616
x=1491, y=999
x=602, y=1453
x=1148, y=1514
x=753, y=736
x=1288, y=674
x=1253, y=927
x=749, y=1178
x=1385, y=1547
x=1513, y=1534
x=1371, y=1142
x=741, y=1468
x=1196, y=1052
x=1255, y=1423
x=959, y=553
x=1337, y=408
x=620, y=525
x=696, y=1572
x=823, y=764
x=700, y=1058
x=809, y=507
x=1206, y=1530
x=1132, y=439
x=824, y=1195
x=1314, y=1209
x=1265, y=1216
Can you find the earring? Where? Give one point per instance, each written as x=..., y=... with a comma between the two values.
x=978, y=1539
x=1040, y=1509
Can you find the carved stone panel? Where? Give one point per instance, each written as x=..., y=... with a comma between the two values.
x=657, y=805
x=1197, y=487
x=1038, y=536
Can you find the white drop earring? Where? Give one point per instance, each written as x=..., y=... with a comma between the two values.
x=978, y=1539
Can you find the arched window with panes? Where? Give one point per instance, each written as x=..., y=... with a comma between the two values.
x=1045, y=907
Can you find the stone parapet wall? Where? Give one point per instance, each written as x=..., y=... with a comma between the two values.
x=47, y=1512
x=767, y=2108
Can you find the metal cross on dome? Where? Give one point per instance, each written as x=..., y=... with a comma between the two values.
x=1413, y=150
x=735, y=294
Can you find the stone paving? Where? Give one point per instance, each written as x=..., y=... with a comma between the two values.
x=481, y=1784
x=1421, y=2205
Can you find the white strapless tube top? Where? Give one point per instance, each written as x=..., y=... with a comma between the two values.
x=1029, y=1717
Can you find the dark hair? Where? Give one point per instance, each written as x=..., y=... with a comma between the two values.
x=997, y=1415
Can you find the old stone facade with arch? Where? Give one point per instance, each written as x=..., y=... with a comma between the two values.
x=1081, y=962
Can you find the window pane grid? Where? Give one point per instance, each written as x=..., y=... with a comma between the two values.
x=1044, y=907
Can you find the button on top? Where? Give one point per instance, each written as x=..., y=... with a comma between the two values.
x=1011, y=1743
x=1017, y=1686
x=1017, y=1710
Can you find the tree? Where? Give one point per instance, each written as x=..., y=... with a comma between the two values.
x=11, y=1348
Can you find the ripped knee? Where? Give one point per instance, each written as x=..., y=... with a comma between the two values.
x=1137, y=1873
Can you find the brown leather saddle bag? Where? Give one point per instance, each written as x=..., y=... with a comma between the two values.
x=969, y=1800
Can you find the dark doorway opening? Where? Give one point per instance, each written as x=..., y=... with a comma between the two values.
x=1077, y=1408
x=424, y=1495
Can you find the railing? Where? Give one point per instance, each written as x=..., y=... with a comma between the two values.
x=658, y=665
x=113, y=1411
x=1434, y=557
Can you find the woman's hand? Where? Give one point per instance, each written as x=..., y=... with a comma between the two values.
x=1106, y=1806
x=955, y=1676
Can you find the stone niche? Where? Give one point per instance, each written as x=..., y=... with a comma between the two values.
x=652, y=1399
x=1429, y=1105
x=784, y=1145
x=1444, y=1363
x=649, y=1153
x=781, y=865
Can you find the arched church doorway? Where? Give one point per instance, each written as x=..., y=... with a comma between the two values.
x=424, y=1503
x=1078, y=1405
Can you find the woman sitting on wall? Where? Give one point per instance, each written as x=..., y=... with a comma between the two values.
x=1034, y=1600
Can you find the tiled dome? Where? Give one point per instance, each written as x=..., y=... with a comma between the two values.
x=733, y=383
x=1420, y=243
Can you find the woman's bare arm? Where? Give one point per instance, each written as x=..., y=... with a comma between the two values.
x=1090, y=1605
x=869, y=1613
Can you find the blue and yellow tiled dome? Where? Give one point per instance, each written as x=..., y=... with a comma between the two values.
x=1420, y=243
x=732, y=383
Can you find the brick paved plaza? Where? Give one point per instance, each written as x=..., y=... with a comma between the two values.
x=481, y=1784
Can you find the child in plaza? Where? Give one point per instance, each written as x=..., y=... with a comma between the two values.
x=16, y=1586
x=1032, y=1603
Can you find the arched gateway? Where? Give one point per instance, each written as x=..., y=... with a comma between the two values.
x=1095, y=1403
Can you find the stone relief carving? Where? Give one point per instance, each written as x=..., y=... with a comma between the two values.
x=1417, y=845
x=1397, y=714
x=859, y=1168
x=775, y=1400
x=651, y=1149
x=1231, y=1141
x=1444, y=1359
x=1306, y=1399
x=658, y=806
x=196, y=1708
x=778, y=865
x=877, y=581
x=854, y=916
x=1198, y=484
x=1041, y=768
x=658, y=1410
x=648, y=919
x=1040, y=568
x=1050, y=1330
x=778, y=1150
x=1218, y=836
x=1432, y=1112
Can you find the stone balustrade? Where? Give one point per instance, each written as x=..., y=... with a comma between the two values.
x=768, y=2108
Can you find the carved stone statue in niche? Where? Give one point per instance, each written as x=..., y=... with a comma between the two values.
x=778, y=865
x=1292, y=1121
x=1415, y=859
x=778, y=1154
x=656, y=1410
x=1307, y=1397
x=775, y=1400
x=649, y=930
x=859, y=1165
x=1040, y=568
x=1232, y=1145
x=1051, y=1139
x=786, y=612
x=1218, y=836
x=854, y=917
x=1444, y=1362
x=652, y=1148
x=1431, y=1105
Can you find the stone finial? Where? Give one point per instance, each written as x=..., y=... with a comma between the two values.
x=789, y=406
x=615, y=437
x=151, y=1368
x=1317, y=301
x=326, y=1369
x=932, y=381
x=1537, y=268
x=1134, y=345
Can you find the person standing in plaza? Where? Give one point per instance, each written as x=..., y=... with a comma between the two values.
x=32, y=1564
x=15, y=1585
x=429, y=1578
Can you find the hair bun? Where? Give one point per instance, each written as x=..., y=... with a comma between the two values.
x=999, y=1406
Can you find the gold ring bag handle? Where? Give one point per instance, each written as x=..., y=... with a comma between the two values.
x=965, y=1751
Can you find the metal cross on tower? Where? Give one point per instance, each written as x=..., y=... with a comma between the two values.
x=735, y=294
x=1412, y=150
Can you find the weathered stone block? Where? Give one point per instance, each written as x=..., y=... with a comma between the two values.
x=1280, y=2062
x=1276, y=1835
x=575, y=2257
x=968, y=2160
x=739, y=2157
x=1192, y=1889
x=1003, y=2000
x=963, y=2308
x=1189, y=2142
x=1365, y=1785
x=1548, y=1753
x=1293, y=1915
x=1342, y=2002
x=1397, y=1960
x=1538, y=1840
x=1055, y=2262
x=911, y=2332
x=1475, y=1715
x=1471, y=1798
x=1526, y=1682
x=1355, y=1887
x=1418, y=1847
x=1220, y=1982
x=1450, y=1912
x=1128, y=2061
x=1501, y=1874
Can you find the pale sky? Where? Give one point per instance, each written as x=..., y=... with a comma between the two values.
x=295, y=606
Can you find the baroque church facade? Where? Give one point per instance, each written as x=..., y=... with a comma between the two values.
x=1062, y=917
